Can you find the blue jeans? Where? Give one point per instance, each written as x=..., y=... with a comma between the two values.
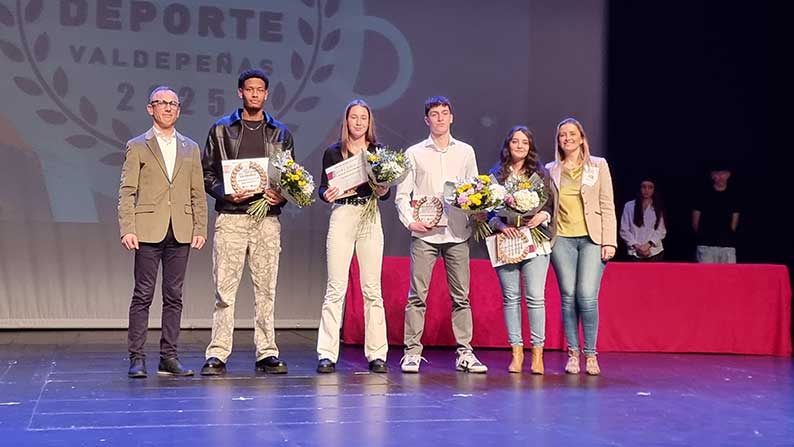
x=534, y=271
x=715, y=255
x=578, y=265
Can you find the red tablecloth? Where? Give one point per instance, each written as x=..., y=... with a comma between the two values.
x=644, y=307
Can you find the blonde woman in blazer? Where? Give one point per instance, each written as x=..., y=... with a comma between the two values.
x=585, y=239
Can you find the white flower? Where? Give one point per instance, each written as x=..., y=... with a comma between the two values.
x=498, y=193
x=526, y=200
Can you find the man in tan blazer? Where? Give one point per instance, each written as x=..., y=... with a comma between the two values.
x=162, y=214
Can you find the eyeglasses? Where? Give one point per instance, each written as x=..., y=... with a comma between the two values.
x=159, y=103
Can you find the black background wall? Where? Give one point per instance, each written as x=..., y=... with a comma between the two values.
x=691, y=83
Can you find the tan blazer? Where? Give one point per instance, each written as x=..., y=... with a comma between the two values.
x=148, y=201
x=598, y=199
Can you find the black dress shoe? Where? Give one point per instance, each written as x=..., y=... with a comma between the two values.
x=172, y=367
x=325, y=366
x=213, y=367
x=271, y=365
x=378, y=366
x=137, y=369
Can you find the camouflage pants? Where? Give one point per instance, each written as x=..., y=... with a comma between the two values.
x=238, y=236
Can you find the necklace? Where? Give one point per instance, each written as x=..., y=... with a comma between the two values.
x=254, y=129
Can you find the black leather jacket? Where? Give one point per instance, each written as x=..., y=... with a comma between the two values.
x=223, y=143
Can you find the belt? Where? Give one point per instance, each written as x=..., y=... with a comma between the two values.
x=352, y=201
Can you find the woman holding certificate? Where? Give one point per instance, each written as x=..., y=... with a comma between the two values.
x=344, y=184
x=517, y=169
x=586, y=237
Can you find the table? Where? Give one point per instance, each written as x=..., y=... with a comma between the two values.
x=644, y=307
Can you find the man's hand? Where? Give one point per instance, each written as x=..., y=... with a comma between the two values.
x=198, y=242
x=239, y=196
x=273, y=196
x=130, y=241
x=479, y=217
x=418, y=227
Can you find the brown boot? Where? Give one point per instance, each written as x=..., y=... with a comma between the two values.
x=537, y=361
x=518, y=360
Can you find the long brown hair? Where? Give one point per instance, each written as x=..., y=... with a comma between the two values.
x=531, y=162
x=344, y=132
x=656, y=202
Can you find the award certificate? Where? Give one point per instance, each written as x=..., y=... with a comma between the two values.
x=246, y=174
x=347, y=174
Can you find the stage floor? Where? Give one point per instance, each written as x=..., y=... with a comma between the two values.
x=69, y=388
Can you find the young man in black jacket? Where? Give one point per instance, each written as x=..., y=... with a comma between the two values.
x=248, y=132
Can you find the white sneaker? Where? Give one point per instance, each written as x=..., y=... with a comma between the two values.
x=410, y=363
x=467, y=362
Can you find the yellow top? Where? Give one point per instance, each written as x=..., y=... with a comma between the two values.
x=570, y=220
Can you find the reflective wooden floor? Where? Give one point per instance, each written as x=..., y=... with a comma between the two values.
x=70, y=388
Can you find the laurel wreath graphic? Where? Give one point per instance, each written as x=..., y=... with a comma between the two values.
x=511, y=251
x=56, y=87
x=250, y=165
x=433, y=204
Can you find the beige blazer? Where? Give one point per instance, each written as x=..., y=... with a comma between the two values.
x=597, y=197
x=148, y=201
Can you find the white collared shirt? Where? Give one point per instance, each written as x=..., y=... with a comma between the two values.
x=431, y=168
x=632, y=234
x=167, y=145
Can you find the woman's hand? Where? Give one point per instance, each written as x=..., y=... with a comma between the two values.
x=607, y=252
x=381, y=190
x=331, y=194
x=535, y=220
x=510, y=232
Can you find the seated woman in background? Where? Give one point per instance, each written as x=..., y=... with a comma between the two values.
x=642, y=224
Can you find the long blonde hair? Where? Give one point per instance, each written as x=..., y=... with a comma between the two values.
x=344, y=132
x=585, y=150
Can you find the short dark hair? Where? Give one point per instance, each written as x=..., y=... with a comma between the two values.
x=253, y=73
x=435, y=101
x=162, y=88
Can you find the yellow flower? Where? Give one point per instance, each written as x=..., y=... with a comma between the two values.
x=290, y=162
x=464, y=187
x=372, y=158
x=476, y=199
x=301, y=183
x=484, y=178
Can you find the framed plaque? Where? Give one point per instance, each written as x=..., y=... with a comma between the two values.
x=247, y=174
x=428, y=210
x=506, y=250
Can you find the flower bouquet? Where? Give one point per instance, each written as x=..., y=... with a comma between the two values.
x=385, y=167
x=479, y=195
x=524, y=197
x=294, y=181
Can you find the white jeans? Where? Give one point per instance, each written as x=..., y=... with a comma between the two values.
x=342, y=240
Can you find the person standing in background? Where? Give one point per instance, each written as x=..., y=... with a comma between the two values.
x=715, y=218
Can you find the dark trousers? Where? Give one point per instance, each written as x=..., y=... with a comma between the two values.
x=147, y=262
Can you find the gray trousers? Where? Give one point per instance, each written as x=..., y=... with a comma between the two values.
x=456, y=261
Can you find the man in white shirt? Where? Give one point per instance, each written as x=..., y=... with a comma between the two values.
x=434, y=161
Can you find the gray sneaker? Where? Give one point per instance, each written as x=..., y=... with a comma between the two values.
x=410, y=363
x=467, y=362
